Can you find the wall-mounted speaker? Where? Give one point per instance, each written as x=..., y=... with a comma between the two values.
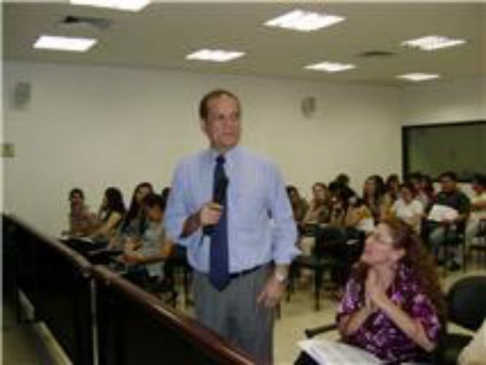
x=22, y=94
x=308, y=106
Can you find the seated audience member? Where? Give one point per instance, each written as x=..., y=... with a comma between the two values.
x=443, y=230
x=427, y=187
x=165, y=193
x=407, y=208
x=111, y=214
x=424, y=187
x=350, y=220
x=148, y=251
x=340, y=186
x=348, y=213
x=133, y=222
x=478, y=207
x=374, y=197
x=318, y=213
x=298, y=203
x=358, y=216
x=393, y=306
x=342, y=180
x=392, y=189
x=319, y=210
x=81, y=220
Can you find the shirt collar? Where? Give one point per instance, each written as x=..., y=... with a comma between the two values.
x=230, y=156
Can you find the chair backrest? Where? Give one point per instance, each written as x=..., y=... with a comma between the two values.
x=466, y=302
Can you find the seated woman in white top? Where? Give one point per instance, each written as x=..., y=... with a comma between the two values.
x=407, y=208
x=478, y=207
x=359, y=216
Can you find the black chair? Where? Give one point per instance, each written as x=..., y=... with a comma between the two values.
x=332, y=253
x=85, y=246
x=480, y=245
x=164, y=288
x=319, y=263
x=103, y=256
x=466, y=307
x=454, y=237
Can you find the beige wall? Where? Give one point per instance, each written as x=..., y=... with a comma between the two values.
x=93, y=127
x=444, y=101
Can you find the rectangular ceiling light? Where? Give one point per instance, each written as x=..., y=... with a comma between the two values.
x=433, y=42
x=214, y=55
x=304, y=21
x=330, y=67
x=64, y=43
x=129, y=5
x=417, y=76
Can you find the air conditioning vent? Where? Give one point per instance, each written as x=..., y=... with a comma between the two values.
x=82, y=22
x=376, y=53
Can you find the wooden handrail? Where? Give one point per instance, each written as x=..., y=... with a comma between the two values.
x=192, y=330
x=77, y=259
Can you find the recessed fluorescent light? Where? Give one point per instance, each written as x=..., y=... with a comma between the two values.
x=417, y=76
x=64, y=43
x=214, y=55
x=129, y=5
x=433, y=42
x=330, y=66
x=304, y=21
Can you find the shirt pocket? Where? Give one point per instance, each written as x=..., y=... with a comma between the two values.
x=199, y=191
x=251, y=208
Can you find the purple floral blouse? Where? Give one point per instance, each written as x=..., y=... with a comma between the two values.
x=378, y=334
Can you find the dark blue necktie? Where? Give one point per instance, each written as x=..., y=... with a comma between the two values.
x=219, y=266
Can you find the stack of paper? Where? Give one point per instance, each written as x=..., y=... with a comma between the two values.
x=336, y=353
x=440, y=213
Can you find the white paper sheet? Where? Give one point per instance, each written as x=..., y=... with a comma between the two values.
x=336, y=353
x=439, y=213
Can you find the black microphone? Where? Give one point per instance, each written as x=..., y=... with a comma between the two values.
x=219, y=195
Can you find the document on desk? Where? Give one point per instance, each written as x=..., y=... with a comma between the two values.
x=75, y=238
x=327, y=352
x=439, y=213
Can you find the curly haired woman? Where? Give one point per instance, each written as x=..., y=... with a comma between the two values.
x=393, y=305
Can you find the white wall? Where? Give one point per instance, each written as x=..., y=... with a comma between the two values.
x=93, y=127
x=445, y=101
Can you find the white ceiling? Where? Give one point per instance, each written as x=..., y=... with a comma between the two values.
x=163, y=33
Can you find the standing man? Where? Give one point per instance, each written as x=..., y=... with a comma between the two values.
x=230, y=209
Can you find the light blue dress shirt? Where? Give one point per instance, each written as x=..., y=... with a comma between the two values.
x=261, y=227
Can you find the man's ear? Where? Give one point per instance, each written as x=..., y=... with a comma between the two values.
x=204, y=126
